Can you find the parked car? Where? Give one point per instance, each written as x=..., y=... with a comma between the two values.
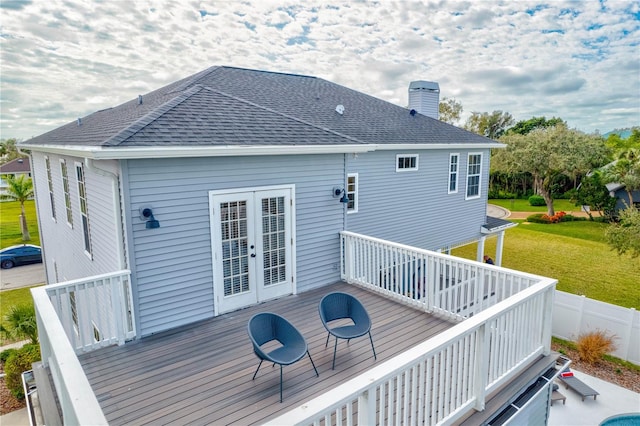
x=20, y=255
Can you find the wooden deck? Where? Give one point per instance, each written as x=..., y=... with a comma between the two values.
x=201, y=373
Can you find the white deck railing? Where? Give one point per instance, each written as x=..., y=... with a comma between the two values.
x=444, y=378
x=435, y=282
x=80, y=316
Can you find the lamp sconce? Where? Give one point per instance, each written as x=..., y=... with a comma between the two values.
x=146, y=214
x=337, y=192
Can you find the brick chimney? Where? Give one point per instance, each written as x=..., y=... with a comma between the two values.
x=424, y=97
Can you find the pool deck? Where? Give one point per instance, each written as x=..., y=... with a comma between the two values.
x=612, y=400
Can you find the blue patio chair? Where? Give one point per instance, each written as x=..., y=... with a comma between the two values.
x=337, y=306
x=267, y=327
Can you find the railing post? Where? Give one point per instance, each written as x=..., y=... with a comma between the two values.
x=367, y=407
x=547, y=324
x=117, y=300
x=481, y=370
x=43, y=339
x=348, y=258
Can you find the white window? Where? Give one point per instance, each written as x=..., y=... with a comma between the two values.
x=84, y=210
x=352, y=192
x=453, y=173
x=405, y=163
x=50, y=182
x=474, y=168
x=67, y=194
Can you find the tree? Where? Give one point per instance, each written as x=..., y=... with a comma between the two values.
x=9, y=150
x=490, y=125
x=20, y=189
x=547, y=153
x=523, y=127
x=616, y=143
x=625, y=235
x=593, y=192
x=449, y=110
x=626, y=171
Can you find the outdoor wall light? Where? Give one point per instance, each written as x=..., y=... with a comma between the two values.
x=147, y=214
x=337, y=192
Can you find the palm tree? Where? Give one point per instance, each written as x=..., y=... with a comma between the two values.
x=20, y=189
x=626, y=171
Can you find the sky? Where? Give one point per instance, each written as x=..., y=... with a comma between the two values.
x=577, y=60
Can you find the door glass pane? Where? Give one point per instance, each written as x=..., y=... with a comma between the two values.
x=273, y=240
x=233, y=230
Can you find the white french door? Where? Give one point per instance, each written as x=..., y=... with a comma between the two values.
x=252, y=245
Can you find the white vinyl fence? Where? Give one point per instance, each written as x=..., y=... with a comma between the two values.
x=574, y=315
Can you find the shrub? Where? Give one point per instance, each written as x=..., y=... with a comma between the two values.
x=18, y=362
x=22, y=324
x=4, y=355
x=538, y=218
x=594, y=345
x=536, y=200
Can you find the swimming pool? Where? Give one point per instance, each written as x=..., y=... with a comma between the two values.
x=629, y=419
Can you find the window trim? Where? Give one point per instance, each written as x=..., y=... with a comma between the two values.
x=354, y=193
x=469, y=175
x=407, y=169
x=84, y=216
x=52, y=198
x=66, y=191
x=457, y=173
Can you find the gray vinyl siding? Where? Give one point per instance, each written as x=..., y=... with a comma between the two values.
x=414, y=207
x=172, y=265
x=63, y=244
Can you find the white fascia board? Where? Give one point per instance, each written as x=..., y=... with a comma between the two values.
x=141, y=152
x=449, y=146
x=121, y=153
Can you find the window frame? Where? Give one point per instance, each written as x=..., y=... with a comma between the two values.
x=473, y=175
x=66, y=191
x=52, y=198
x=352, y=193
x=455, y=173
x=407, y=169
x=84, y=211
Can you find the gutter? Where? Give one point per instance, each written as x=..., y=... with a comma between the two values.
x=142, y=152
x=89, y=162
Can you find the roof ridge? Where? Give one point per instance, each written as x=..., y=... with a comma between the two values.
x=150, y=117
x=195, y=78
x=351, y=138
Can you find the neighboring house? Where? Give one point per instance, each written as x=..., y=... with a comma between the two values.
x=619, y=192
x=234, y=187
x=14, y=168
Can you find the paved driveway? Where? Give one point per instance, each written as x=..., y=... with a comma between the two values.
x=22, y=276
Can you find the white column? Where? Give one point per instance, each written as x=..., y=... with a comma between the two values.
x=480, y=252
x=499, y=246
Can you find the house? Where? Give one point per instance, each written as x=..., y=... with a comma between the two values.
x=14, y=168
x=234, y=188
x=620, y=193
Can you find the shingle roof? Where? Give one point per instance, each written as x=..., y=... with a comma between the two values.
x=19, y=165
x=233, y=106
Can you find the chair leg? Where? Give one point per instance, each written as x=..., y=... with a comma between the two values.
x=374, y=349
x=314, y=366
x=254, y=374
x=327, y=342
x=335, y=347
x=280, y=383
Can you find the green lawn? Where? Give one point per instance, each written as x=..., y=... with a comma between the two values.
x=519, y=205
x=576, y=254
x=10, y=233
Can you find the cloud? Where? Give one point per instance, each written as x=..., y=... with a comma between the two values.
x=574, y=60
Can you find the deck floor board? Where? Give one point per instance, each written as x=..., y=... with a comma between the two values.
x=201, y=373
